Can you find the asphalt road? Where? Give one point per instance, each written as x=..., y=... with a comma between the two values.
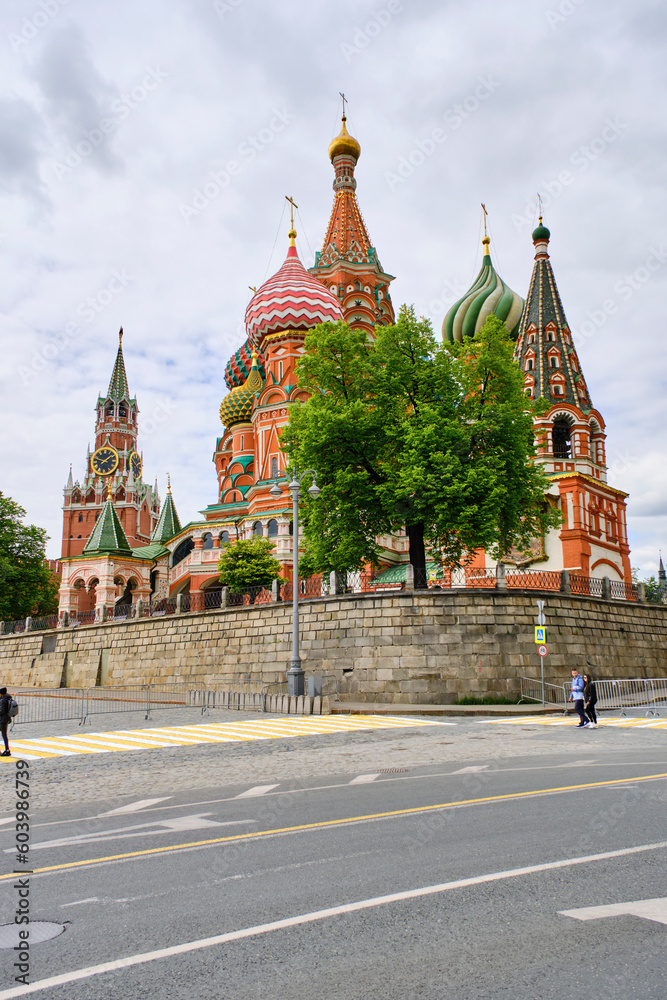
x=228, y=860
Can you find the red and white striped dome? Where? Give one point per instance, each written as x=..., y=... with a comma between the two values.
x=291, y=300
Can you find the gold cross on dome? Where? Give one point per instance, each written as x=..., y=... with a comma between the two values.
x=485, y=215
x=292, y=206
x=345, y=101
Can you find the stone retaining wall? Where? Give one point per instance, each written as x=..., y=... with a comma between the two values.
x=430, y=647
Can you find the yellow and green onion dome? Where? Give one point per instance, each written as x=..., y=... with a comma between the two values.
x=237, y=407
x=488, y=296
x=239, y=365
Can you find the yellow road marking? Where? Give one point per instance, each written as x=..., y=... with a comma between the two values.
x=332, y=822
x=214, y=732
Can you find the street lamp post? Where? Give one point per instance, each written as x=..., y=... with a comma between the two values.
x=295, y=675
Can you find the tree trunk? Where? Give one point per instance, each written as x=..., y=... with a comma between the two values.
x=417, y=550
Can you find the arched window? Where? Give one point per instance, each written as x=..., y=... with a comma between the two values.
x=257, y=529
x=183, y=550
x=208, y=540
x=553, y=363
x=80, y=518
x=561, y=437
x=551, y=335
x=556, y=390
x=280, y=371
x=224, y=538
x=531, y=338
x=272, y=528
x=274, y=467
x=291, y=527
x=110, y=411
x=530, y=364
x=242, y=442
x=122, y=411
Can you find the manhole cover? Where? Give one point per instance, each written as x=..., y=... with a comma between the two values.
x=40, y=930
x=393, y=770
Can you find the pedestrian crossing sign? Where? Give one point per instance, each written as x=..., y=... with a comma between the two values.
x=540, y=634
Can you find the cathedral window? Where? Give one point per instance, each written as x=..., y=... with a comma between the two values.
x=531, y=338
x=272, y=528
x=556, y=390
x=530, y=364
x=280, y=371
x=258, y=529
x=208, y=540
x=562, y=443
x=551, y=335
x=224, y=538
x=242, y=441
x=122, y=412
x=183, y=550
x=274, y=467
x=554, y=363
x=80, y=517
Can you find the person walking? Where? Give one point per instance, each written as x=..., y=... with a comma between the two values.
x=590, y=699
x=5, y=719
x=577, y=696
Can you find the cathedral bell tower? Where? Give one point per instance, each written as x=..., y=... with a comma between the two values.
x=114, y=467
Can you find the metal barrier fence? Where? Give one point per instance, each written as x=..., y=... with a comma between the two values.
x=648, y=693
x=49, y=704
x=546, y=694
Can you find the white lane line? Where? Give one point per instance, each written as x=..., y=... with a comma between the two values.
x=649, y=909
x=307, y=918
x=472, y=769
x=78, y=902
x=251, y=793
x=363, y=779
x=176, y=825
x=133, y=807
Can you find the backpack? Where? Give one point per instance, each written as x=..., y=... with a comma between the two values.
x=13, y=709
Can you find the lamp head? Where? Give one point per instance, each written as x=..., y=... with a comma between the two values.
x=314, y=491
x=275, y=491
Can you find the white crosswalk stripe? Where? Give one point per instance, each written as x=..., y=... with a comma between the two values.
x=212, y=732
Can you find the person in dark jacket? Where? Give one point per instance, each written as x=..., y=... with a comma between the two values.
x=5, y=719
x=590, y=699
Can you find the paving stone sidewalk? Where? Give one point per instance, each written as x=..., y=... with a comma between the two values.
x=111, y=778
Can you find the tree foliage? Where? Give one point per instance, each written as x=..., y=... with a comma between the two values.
x=248, y=563
x=409, y=432
x=27, y=585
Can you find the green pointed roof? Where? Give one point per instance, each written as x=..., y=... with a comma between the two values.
x=488, y=295
x=118, y=387
x=168, y=523
x=544, y=335
x=108, y=535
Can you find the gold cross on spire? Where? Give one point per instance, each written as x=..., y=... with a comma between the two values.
x=539, y=204
x=486, y=240
x=345, y=101
x=292, y=232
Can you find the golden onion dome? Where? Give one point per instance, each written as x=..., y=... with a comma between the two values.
x=237, y=407
x=344, y=144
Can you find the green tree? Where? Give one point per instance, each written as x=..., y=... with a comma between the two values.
x=27, y=586
x=248, y=563
x=409, y=432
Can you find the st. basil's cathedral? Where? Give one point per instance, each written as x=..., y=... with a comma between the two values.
x=120, y=544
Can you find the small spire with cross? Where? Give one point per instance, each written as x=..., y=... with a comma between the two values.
x=120, y=336
x=345, y=101
x=292, y=232
x=486, y=240
x=539, y=207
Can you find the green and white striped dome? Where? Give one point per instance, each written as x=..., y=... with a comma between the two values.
x=488, y=296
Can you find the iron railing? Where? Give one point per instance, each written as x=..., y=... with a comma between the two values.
x=545, y=693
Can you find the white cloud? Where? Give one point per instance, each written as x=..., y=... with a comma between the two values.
x=222, y=75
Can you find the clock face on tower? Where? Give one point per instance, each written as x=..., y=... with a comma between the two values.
x=135, y=465
x=104, y=461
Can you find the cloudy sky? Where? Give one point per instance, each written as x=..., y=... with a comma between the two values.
x=146, y=149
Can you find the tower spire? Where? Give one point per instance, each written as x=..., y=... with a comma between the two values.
x=545, y=347
x=486, y=240
x=348, y=263
x=118, y=387
x=292, y=230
